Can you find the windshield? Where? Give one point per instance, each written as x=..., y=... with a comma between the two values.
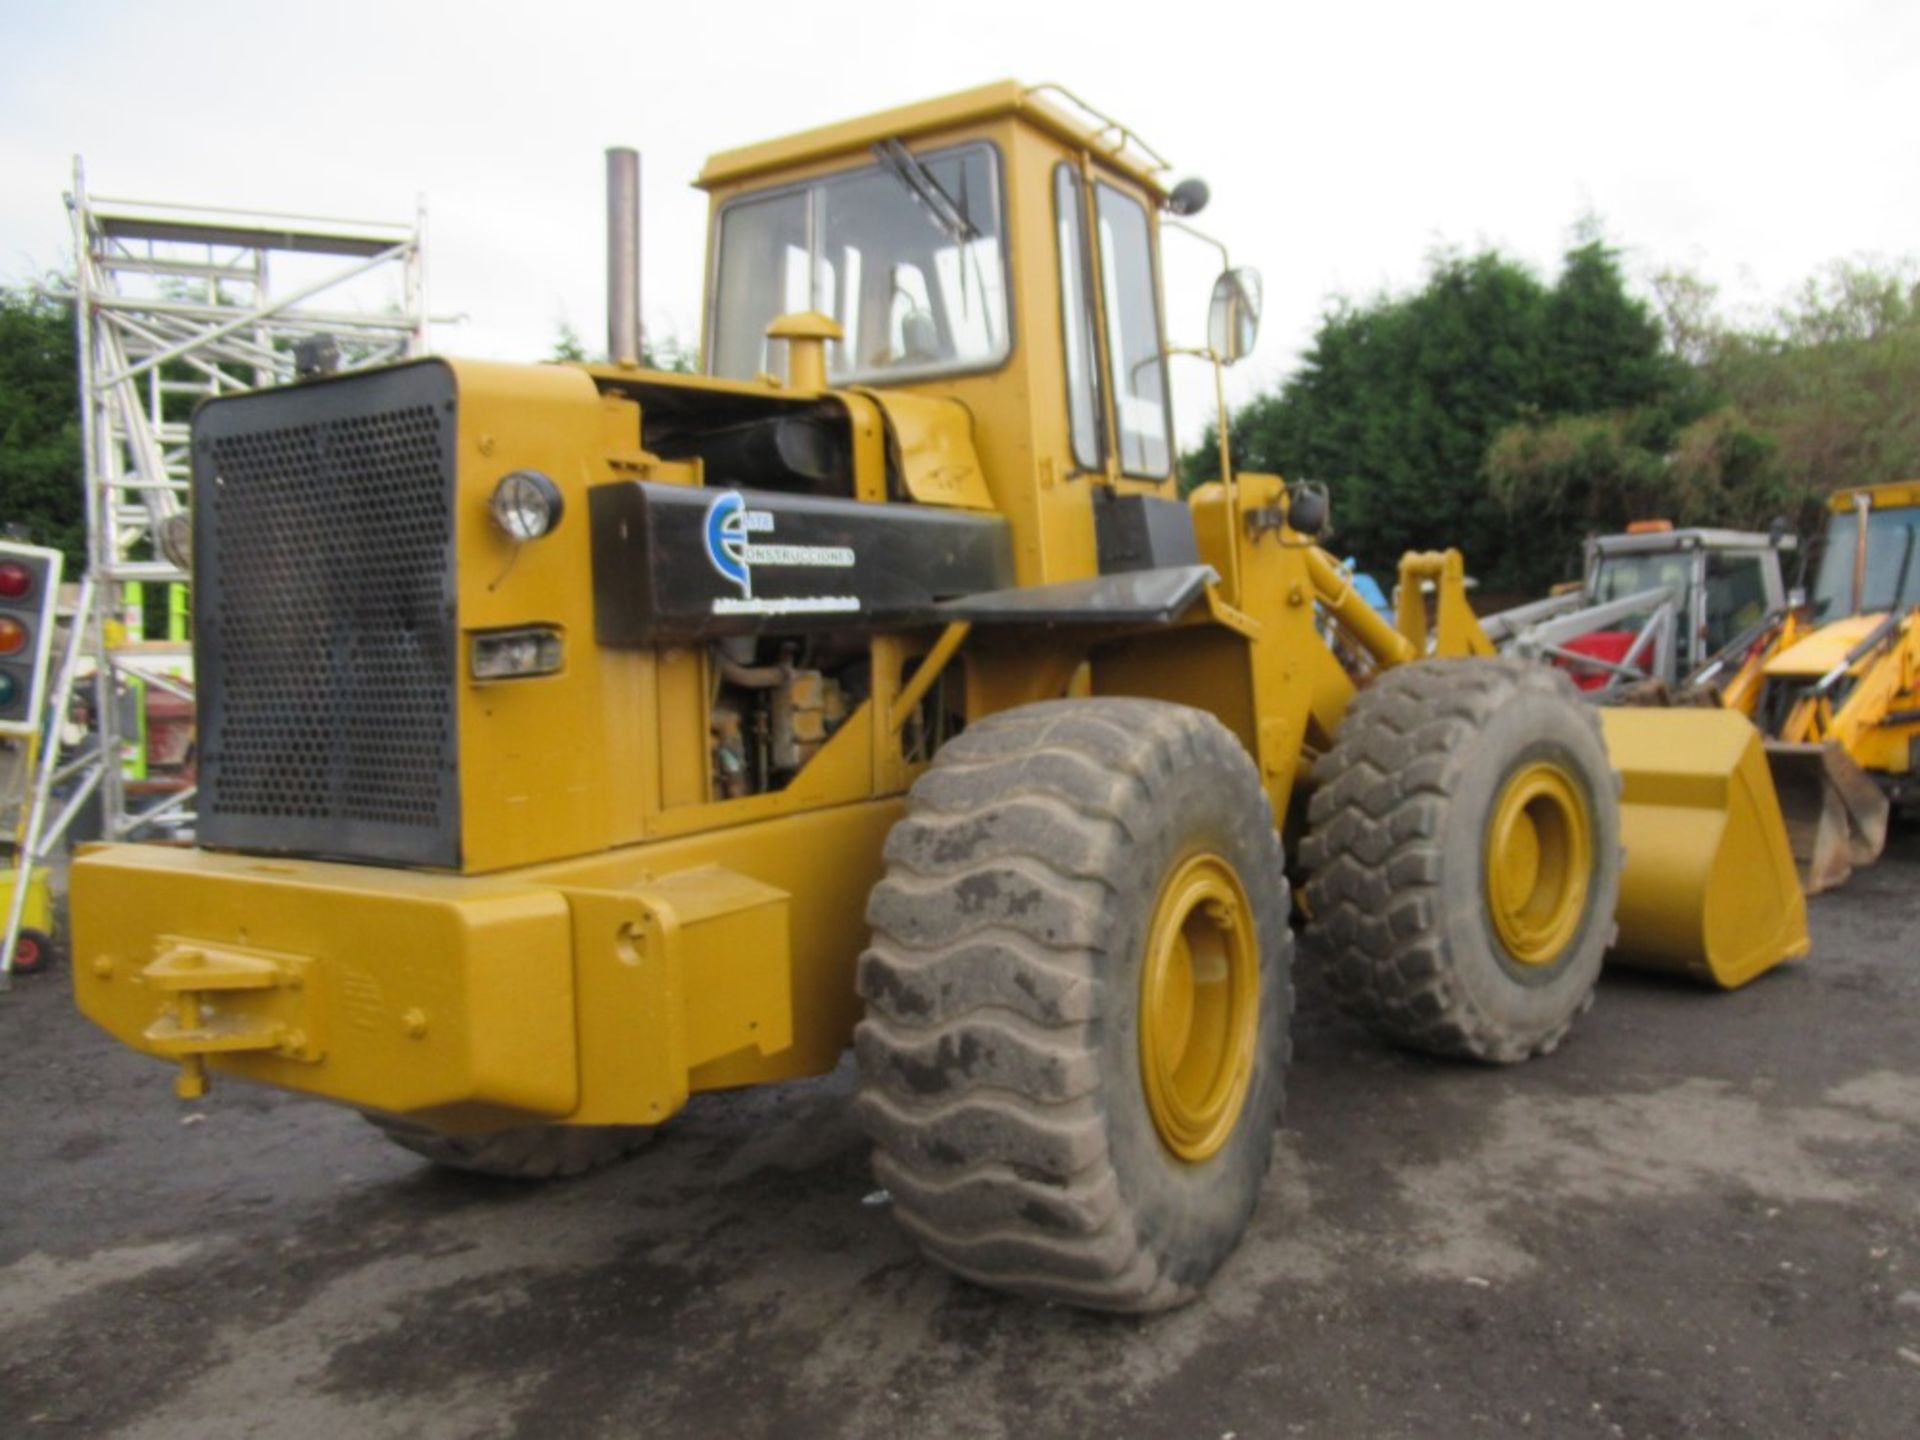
x=1893, y=568
x=905, y=254
x=1619, y=576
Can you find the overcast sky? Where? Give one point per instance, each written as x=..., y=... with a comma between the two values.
x=1753, y=142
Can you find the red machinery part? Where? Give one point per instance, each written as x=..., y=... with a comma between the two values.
x=1609, y=645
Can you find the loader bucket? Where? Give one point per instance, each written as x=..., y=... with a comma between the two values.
x=1836, y=816
x=1708, y=886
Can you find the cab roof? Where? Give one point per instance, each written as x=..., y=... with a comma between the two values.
x=1691, y=538
x=1050, y=108
x=1897, y=496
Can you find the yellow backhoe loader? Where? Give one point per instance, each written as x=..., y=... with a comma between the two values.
x=1835, y=685
x=578, y=738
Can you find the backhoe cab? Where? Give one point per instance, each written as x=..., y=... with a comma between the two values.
x=577, y=739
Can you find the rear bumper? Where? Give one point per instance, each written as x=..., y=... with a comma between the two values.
x=466, y=1002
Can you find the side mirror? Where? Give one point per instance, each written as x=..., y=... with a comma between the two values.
x=1189, y=197
x=1233, y=320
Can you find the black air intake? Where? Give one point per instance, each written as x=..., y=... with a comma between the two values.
x=325, y=639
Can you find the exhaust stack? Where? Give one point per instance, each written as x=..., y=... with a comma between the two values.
x=623, y=255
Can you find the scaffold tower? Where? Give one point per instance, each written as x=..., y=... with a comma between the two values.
x=175, y=304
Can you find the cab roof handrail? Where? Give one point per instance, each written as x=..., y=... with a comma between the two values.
x=1122, y=135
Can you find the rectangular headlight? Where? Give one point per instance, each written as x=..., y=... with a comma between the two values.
x=515, y=654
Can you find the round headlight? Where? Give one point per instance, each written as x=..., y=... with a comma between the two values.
x=526, y=505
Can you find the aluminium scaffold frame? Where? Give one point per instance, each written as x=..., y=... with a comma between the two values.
x=173, y=303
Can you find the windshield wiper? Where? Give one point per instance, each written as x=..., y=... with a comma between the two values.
x=948, y=218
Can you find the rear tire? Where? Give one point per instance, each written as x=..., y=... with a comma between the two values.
x=1059, y=863
x=1425, y=940
x=531, y=1152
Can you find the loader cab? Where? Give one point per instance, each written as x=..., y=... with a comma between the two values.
x=999, y=249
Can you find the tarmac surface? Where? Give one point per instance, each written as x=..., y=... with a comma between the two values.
x=1700, y=1217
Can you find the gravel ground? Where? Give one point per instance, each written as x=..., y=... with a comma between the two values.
x=1700, y=1217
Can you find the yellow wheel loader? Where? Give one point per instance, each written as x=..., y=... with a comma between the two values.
x=575, y=739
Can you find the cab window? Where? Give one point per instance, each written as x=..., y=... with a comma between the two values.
x=1622, y=575
x=1619, y=576
x=1135, y=354
x=1893, y=563
x=907, y=255
x=1736, y=597
x=1076, y=319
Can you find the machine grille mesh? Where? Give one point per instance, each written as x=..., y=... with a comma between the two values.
x=326, y=634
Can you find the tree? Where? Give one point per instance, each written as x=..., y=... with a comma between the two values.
x=568, y=348
x=1400, y=400
x=1579, y=475
x=40, y=422
x=667, y=354
x=1820, y=397
x=1601, y=349
x=1834, y=379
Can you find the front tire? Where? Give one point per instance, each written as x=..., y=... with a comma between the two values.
x=1078, y=994
x=1463, y=858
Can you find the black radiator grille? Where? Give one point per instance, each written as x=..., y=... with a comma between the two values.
x=325, y=631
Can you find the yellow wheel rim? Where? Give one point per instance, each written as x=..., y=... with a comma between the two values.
x=1539, y=860
x=1199, y=1007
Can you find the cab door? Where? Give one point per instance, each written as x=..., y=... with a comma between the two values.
x=1119, y=409
x=1736, y=595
